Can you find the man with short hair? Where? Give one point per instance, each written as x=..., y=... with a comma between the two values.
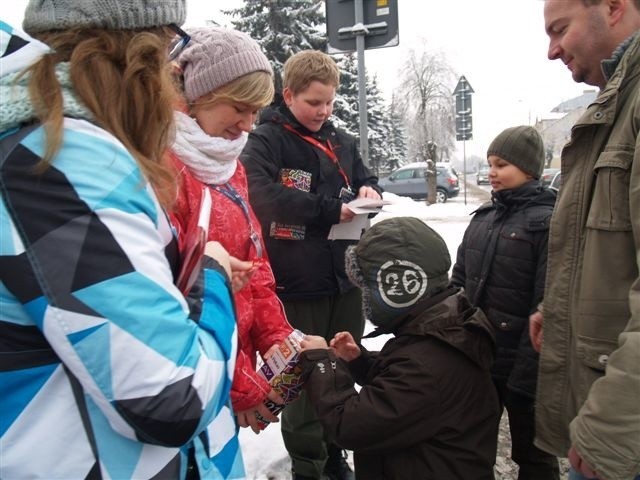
x=588, y=403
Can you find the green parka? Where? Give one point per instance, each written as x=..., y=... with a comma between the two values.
x=589, y=377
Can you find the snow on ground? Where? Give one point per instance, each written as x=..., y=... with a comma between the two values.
x=449, y=219
x=264, y=454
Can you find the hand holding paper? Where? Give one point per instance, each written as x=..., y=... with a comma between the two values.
x=361, y=207
x=367, y=205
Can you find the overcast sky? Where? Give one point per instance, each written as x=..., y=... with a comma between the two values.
x=498, y=45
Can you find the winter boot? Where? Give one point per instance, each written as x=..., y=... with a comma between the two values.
x=337, y=467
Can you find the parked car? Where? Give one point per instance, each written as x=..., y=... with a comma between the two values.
x=410, y=180
x=555, y=183
x=547, y=176
x=482, y=175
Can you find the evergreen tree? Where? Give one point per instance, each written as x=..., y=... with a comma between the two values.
x=378, y=127
x=345, y=107
x=397, y=136
x=282, y=28
x=386, y=141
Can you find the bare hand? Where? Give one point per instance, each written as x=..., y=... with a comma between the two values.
x=368, y=192
x=346, y=214
x=311, y=342
x=241, y=272
x=345, y=346
x=216, y=251
x=247, y=418
x=535, y=329
x=579, y=465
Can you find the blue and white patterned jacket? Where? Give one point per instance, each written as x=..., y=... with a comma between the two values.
x=103, y=374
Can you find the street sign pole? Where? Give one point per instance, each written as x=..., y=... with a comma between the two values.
x=359, y=25
x=362, y=82
x=464, y=168
x=464, y=127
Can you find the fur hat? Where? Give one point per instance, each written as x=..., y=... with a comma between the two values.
x=217, y=56
x=521, y=146
x=397, y=262
x=44, y=15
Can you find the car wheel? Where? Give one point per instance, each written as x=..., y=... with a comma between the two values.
x=441, y=196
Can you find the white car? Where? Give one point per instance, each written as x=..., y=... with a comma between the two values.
x=482, y=175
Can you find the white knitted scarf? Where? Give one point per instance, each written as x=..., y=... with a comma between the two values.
x=212, y=160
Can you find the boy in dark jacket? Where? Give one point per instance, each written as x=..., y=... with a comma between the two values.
x=501, y=265
x=301, y=173
x=427, y=408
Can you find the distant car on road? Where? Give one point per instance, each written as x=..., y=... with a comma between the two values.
x=410, y=180
x=547, y=176
x=482, y=175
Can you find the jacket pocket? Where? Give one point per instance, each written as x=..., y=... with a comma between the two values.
x=594, y=352
x=517, y=234
x=508, y=328
x=609, y=209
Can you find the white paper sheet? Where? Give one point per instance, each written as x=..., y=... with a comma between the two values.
x=353, y=230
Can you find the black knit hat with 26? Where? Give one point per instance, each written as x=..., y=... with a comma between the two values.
x=397, y=262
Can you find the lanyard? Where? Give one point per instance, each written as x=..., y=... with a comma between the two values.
x=232, y=194
x=327, y=149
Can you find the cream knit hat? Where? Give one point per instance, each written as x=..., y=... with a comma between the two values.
x=216, y=56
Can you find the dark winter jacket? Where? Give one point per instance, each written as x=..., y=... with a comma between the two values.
x=501, y=264
x=294, y=189
x=427, y=408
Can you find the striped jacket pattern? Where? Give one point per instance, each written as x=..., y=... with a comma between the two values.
x=104, y=373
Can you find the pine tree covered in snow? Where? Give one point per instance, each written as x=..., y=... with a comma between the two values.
x=345, y=107
x=379, y=128
x=397, y=136
x=282, y=28
x=385, y=137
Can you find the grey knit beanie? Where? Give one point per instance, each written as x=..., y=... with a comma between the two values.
x=397, y=262
x=216, y=56
x=44, y=15
x=521, y=146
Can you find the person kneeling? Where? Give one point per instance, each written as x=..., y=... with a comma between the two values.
x=427, y=408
